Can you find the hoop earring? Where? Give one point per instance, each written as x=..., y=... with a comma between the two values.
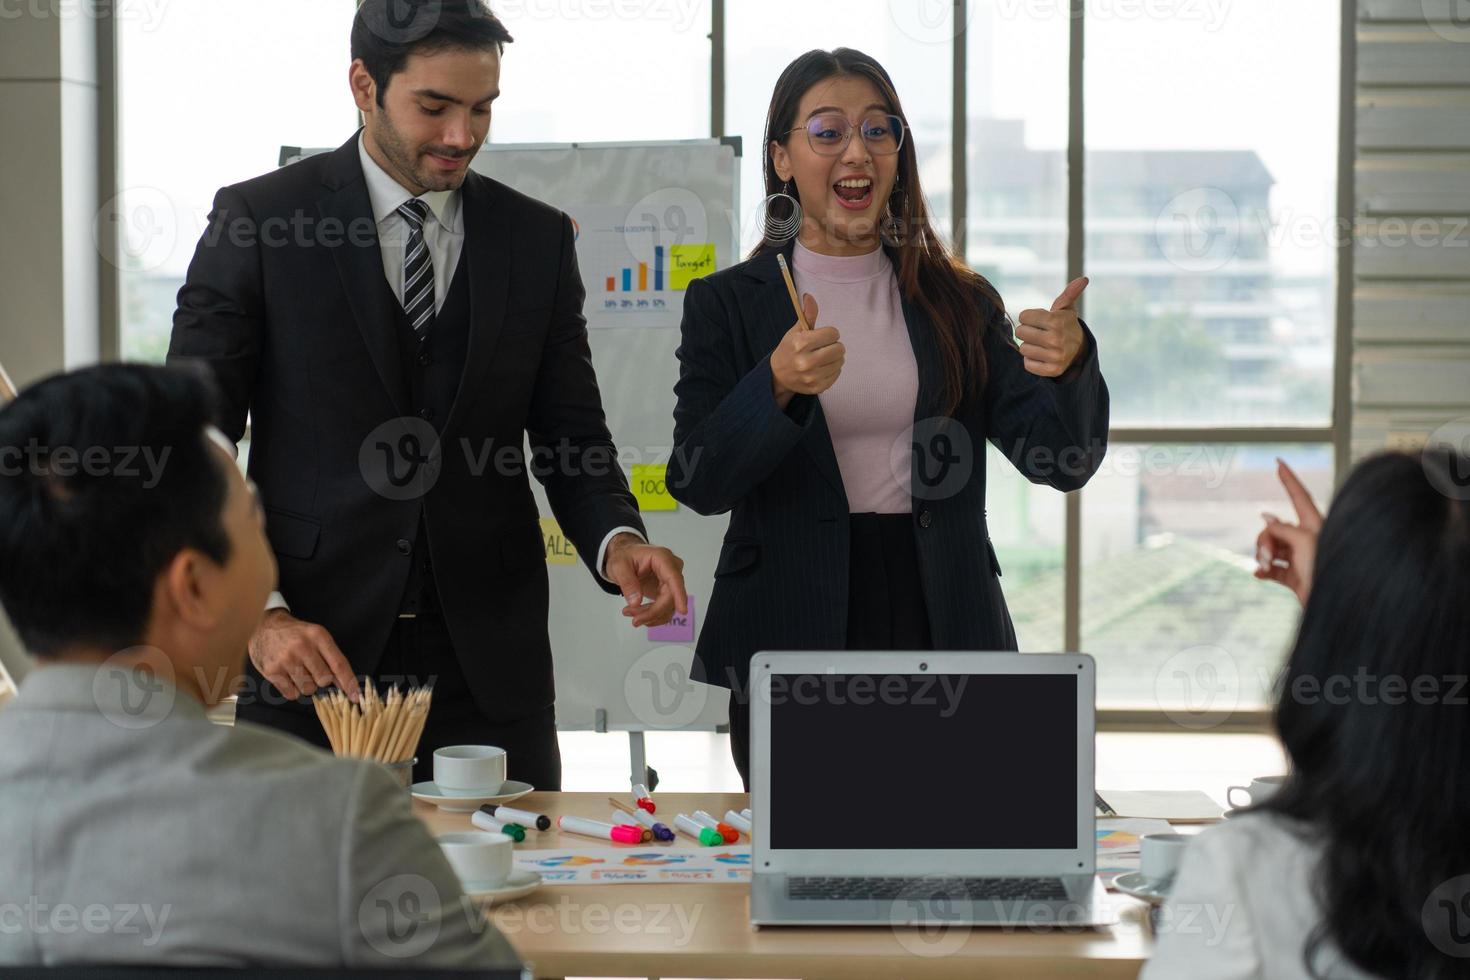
x=779, y=231
x=890, y=228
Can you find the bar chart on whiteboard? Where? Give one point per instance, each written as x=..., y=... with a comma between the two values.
x=638, y=259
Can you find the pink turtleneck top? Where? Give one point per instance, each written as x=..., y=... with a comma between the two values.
x=870, y=408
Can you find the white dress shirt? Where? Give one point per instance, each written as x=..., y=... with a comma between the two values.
x=443, y=231
x=444, y=237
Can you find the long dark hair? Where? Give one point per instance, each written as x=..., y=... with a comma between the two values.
x=929, y=273
x=1380, y=774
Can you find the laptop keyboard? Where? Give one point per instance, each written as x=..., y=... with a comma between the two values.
x=927, y=888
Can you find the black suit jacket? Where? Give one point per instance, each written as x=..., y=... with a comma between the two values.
x=781, y=582
x=287, y=304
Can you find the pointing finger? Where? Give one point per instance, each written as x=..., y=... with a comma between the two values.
x=1301, y=499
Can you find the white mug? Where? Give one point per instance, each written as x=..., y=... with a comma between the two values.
x=1160, y=855
x=469, y=769
x=1260, y=790
x=480, y=859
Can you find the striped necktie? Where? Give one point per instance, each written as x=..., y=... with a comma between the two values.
x=418, y=269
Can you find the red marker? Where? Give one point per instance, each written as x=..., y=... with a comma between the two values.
x=641, y=798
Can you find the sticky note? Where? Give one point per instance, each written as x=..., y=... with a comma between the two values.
x=689, y=262
x=651, y=487
x=680, y=629
x=559, y=547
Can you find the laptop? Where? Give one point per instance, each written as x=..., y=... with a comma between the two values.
x=924, y=789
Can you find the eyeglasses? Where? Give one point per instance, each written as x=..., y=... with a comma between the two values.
x=829, y=134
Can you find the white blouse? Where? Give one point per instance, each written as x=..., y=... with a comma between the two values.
x=1242, y=907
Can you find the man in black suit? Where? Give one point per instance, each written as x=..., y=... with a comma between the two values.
x=396, y=325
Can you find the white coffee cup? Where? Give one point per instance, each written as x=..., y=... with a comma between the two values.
x=1160, y=855
x=469, y=769
x=1261, y=789
x=481, y=859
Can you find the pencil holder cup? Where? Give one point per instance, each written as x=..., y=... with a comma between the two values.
x=402, y=771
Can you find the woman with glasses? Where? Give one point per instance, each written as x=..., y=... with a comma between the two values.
x=849, y=446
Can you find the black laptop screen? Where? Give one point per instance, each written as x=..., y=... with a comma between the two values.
x=923, y=761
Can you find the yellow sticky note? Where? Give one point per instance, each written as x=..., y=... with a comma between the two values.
x=559, y=547
x=650, y=486
x=689, y=262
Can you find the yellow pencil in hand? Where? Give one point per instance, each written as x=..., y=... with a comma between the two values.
x=791, y=288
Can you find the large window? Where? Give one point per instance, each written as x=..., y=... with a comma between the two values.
x=198, y=114
x=1170, y=608
x=1212, y=144
x=1210, y=203
x=1210, y=148
x=209, y=92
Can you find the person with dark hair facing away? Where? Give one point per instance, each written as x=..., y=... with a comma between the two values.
x=1360, y=864
x=849, y=447
x=134, y=567
x=396, y=326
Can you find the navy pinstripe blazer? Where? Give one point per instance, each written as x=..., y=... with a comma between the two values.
x=781, y=581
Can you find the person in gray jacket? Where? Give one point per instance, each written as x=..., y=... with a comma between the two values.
x=132, y=830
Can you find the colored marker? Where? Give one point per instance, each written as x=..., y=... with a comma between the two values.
x=706, y=836
x=727, y=832
x=484, y=821
x=641, y=799
x=737, y=821
x=524, y=817
x=623, y=833
x=618, y=818
x=660, y=832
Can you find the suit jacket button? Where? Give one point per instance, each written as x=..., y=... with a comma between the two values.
x=427, y=414
x=405, y=546
x=426, y=359
x=925, y=518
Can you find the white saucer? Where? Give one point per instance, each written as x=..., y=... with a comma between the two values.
x=1138, y=886
x=1234, y=811
x=519, y=883
x=468, y=801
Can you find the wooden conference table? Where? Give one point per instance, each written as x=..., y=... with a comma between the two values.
x=698, y=930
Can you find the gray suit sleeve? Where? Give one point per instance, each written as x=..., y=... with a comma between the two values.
x=400, y=902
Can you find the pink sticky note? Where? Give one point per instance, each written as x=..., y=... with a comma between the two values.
x=680, y=629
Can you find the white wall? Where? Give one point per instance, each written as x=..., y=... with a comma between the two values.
x=49, y=261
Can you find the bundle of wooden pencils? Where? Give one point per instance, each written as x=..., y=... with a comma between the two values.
x=385, y=729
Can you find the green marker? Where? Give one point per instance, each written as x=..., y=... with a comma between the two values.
x=705, y=835
x=484, y=821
